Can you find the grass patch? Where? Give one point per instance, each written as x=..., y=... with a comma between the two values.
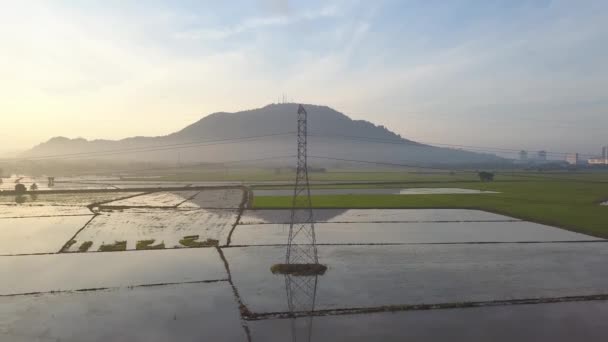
x=67, y=246
x=148, y=244
x=117, y=246
x=267, y=174
x=192, y=241
x=298, y=269
x=415, y=174
x=573, y=205
x=84, y=247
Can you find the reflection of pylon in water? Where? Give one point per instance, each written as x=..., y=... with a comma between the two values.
x=301, y=244
x=301, y=296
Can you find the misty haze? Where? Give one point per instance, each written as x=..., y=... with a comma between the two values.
x=282, y=170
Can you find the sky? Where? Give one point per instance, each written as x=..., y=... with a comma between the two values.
x=510, y=74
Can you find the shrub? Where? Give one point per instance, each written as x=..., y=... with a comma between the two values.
x=20, y=188
x=486, y=176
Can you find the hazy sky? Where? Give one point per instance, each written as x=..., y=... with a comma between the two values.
x=516, y=74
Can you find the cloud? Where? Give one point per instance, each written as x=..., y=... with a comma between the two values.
x=279, y=18
x=274, y=7
x=416, y=70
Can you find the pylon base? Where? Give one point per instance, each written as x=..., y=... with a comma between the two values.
x=299, y=269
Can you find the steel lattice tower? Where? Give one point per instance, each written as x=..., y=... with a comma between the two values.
x=301, y=244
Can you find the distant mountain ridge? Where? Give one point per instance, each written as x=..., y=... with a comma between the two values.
x=333, y=134
x=275, y=118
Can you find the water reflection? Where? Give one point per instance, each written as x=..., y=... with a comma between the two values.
x=20, y=198
x=284, y=216
x=301, y=300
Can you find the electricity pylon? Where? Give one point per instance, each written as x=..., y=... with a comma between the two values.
x=301, y=244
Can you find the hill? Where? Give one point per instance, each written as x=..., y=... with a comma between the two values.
x=263, y=133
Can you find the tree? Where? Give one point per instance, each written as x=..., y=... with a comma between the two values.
x=34, y=187
x=20, y=188
x=486, y=176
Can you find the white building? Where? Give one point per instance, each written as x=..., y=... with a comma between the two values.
x=572, y=158
x=597, y=161
x=603, y=160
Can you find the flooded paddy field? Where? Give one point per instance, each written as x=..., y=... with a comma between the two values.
x=371, y=191
x=165, y=227
x=32, y=235
x=75, y=199
x=81, y=271
x=61, y=183
x=375, y=215
x=410, y=233
x=122, y=184
x=155, y=199
x=180, y=312
x=95, y=183
x=35, y=210
x=558, y=322
x=83, y=183
x=195, y=199
x=218, y=198
x=374, y=276
x=416, y=263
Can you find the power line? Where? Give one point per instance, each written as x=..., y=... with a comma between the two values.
x=423, y=144
x=199, y=143
x=388, y=164
x=204, y=143
x=202, y=164
x=447, y=169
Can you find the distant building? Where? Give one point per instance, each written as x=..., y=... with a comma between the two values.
x=523, y=155
x=542, y=155
x=603, y=160
x=597, y=161
x=572, y=158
